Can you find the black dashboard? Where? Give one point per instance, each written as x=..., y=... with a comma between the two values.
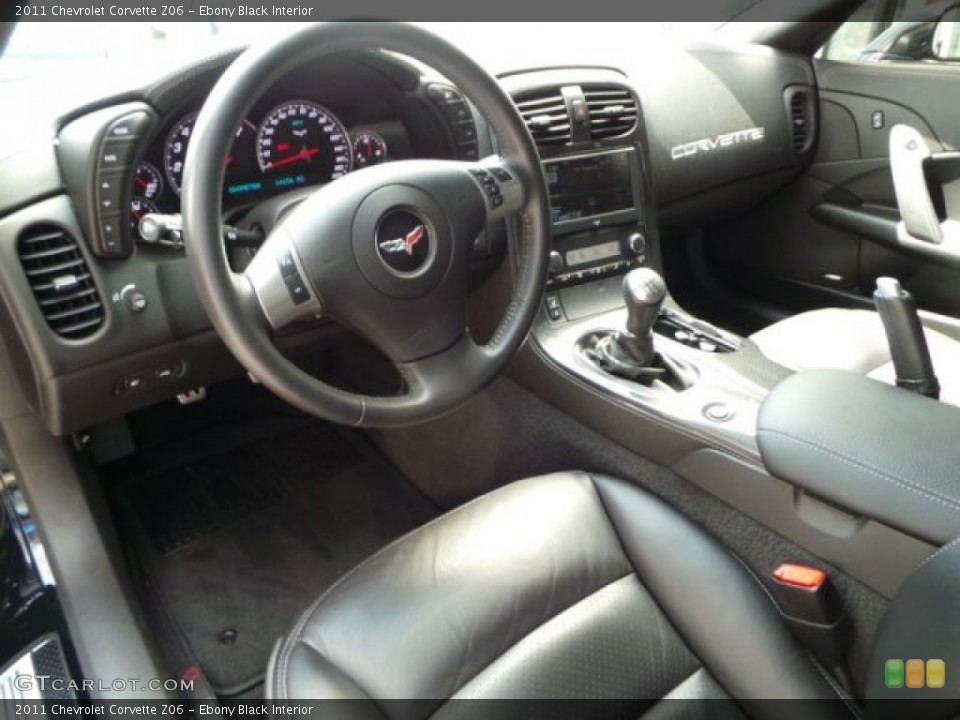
x=102, y=321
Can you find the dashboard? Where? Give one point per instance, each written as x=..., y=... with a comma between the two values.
x=102, y=321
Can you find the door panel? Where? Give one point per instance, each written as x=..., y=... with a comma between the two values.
x=825, y=239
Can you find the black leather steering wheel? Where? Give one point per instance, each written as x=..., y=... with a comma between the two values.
x=383, y=251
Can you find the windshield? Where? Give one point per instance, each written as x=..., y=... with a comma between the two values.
x=153, y=47
x=77, y=63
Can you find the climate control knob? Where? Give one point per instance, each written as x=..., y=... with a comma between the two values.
x=637, y=244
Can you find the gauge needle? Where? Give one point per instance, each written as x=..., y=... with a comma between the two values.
x=304, y=154
x=141, y=182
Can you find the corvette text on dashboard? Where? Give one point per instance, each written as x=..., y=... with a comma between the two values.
x=719, y=142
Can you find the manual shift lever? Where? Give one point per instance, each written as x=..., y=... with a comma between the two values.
x=644, y=292
x=908, y=344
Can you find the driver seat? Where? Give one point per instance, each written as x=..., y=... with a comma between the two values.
x=569, y=586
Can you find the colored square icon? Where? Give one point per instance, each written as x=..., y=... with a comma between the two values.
x=936, y=674
x=916, y=674
x=894, y=674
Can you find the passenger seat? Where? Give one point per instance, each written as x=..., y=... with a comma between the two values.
x=853, y=340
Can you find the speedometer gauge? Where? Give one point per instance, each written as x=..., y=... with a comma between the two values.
x=175, y=151
x=306, y=141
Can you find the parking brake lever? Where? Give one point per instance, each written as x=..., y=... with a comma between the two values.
x=908, y=344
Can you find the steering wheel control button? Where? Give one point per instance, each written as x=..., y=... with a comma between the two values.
x=297, y=289
x=455, y=111
x=404, y=242
x=117, y=154
x=288, y=266
x=719, y=413
x=110, y=239
x=134, y=125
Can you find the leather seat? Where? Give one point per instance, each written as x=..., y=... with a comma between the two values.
x=852, y=340
x=565, y=586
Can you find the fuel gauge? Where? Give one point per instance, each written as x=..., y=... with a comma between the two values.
x=369, y=149
x=147, y=183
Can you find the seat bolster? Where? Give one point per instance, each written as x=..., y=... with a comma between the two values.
x=421, y=618
x=726, y=617
x=921, y=624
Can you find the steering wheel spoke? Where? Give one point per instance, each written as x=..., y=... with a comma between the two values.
x=280, y=283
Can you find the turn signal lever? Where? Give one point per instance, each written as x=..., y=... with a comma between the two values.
x=908, y=344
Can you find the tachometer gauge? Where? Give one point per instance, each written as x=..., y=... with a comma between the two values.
x=369, y=149
x=175, y=152
x=139, y=207
x=147, y=183
x=300, y=137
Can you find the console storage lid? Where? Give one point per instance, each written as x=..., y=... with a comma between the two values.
x=877, y=451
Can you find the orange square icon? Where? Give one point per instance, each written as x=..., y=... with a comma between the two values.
x=916, y=674
x=936, y=674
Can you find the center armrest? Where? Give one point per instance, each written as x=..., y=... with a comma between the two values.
x=878, y=451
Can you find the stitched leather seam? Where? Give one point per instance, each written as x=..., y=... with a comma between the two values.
x=937, y=554
x=750, y=573
x=841, y=693
x=904, y=484
x=309, y=645
x=490, y=664
x=676, y=687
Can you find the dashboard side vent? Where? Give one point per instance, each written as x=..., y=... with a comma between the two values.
x=545, y=113
x=801, y=119
x=613, y=111
x=61, y=281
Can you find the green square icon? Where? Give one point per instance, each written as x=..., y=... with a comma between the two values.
x=894, y=674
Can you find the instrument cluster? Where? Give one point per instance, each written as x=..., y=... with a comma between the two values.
x=298, y=143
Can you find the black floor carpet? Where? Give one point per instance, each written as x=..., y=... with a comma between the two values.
x=233, y=546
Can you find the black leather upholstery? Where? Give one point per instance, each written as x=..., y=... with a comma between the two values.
x=880, y=451
x=566, y=586
x=921, y=623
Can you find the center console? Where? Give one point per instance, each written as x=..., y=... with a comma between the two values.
x=613, y=349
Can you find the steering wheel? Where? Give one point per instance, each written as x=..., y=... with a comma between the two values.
x=383, y=251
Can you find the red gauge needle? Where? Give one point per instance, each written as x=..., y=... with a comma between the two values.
x=141, y=182
x=138, y=215
x=304, y=154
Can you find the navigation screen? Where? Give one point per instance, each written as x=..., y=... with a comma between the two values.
x=585, y=187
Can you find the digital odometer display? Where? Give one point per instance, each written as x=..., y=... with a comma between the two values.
x=303, y=139
x=587, y=187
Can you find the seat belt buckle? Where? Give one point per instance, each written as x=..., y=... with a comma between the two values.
x=813, y=611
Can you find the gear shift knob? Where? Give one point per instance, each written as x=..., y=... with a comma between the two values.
x=644, y=291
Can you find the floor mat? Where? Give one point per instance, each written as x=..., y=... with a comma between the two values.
x=234, y=546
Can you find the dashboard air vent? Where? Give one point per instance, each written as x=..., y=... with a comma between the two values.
x=613, y=111
x=800, y=119
x=545, y=113
x=61, y=282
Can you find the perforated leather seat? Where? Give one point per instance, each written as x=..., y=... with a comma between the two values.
x=566, y=586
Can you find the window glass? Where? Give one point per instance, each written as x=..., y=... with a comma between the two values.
x=887, y=31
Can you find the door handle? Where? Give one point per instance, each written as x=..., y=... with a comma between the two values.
x=909, y=154
x=920, y=229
